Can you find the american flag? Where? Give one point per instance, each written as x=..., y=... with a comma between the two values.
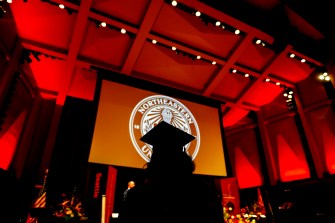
x=40, y=201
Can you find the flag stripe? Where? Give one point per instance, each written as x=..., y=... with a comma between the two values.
x=40, y=201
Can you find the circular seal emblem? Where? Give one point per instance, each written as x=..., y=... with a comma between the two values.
x=152, y=110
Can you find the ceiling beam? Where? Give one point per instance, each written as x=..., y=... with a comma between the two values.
x=229, y=64
x=148, y=21
x=258, y=82
x=75, y=44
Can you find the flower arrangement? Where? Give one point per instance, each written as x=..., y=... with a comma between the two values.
x=254, y=213
x=69, y=209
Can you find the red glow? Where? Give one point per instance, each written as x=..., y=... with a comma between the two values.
x=247, y=175
x=328, y=139
x=292, y=165
x=234, y=117
x=9, y=140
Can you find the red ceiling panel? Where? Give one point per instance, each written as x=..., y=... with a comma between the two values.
x=231, y=86
x=105, y=45
x=167, y=65
x=185, y=27
x=291, y=69
x=44, y=23
x=263, y=94
x=126, y=10
x=256, y=57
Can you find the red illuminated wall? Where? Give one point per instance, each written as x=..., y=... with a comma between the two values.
x=287, y=150
x=244, y=156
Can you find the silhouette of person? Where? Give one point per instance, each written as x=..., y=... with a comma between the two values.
x=130, y=184
x=171, y=192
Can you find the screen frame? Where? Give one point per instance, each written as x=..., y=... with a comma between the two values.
x=155, y=87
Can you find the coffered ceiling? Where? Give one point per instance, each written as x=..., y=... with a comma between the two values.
x=66, y=46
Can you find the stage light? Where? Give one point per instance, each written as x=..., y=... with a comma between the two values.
x=154, y=41
x=237, y=32
x=123, y=31
x=103, y=24
x=61, y=6
x=214, y=62
x=198, y=57
x=174, y=3
x=197, y=13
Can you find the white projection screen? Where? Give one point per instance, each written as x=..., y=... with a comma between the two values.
x=125, y=113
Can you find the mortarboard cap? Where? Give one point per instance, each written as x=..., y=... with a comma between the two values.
x=166, y=134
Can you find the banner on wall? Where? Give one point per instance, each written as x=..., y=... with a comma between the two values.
x=97, y=184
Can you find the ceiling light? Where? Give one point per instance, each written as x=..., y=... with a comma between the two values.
x=290, y=92
x=321, y=77
x=198, y=57
x=218, y=23
x=237, y=32
x=174, y=3
x=9, y=1
x=61, y=6
x=258, y=41
x=267, y=79
x=325, y=74
x=303, y=60
x=234, y=71
x=214, y=62
x=327, y=78
x=154, y=41
x=277, y=83
x=197, y=13
x=285, y=94
x=103, y=24
x=223, y=27
x=123, y=31
x=174, y=48
x=246, y=75
x=292, y=55
x=289, y=96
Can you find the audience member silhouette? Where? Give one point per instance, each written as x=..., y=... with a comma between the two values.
x=171, y=192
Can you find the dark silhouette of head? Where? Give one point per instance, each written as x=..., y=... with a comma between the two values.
x=169, y=156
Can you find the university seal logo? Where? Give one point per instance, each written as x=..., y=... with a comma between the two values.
x=154, y=109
